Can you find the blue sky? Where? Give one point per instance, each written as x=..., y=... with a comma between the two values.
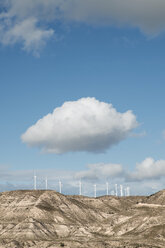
x=122, y=65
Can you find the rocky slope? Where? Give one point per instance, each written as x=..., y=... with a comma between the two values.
x=42, y=219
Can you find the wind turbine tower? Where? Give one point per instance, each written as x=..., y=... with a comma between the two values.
x=128, y=191
x=116, y=189
x=80, y=188
x=35, y=181
x=107, y=188
x=112, y=192
x=60, y=186
x=95, y=191
x=121, y=190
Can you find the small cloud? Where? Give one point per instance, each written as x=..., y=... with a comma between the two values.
x=138, y=135
x=100, y=171
x=147, y=170
x=28, y=33
x=83, y=125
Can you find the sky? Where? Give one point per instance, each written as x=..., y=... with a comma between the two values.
x=82, y=94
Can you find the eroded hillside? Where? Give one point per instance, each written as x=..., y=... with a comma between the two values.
x=48, y=219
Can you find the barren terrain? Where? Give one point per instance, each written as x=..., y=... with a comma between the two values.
x=42, y=219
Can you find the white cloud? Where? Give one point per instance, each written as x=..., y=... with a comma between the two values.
x=27, y=32
x=100, y=171
x=148, y=169
x=147, y=15
x=83, y=125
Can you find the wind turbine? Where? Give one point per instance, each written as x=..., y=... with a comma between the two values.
x=121, y=190
x=116, y=189
x=128, y=191
x=125, y=191
x=60, y=186
x=112, y=192
x=80, y=188
x=35, y=181
x=107, y=188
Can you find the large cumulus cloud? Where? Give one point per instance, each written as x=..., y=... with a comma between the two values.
x=83, y=125
x=147, y=15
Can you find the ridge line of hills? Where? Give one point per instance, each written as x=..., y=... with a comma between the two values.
x=46, y=218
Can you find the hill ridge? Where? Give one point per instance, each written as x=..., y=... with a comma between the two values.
x=46, y=218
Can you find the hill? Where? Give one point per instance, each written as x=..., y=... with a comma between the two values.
x=42, y=219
